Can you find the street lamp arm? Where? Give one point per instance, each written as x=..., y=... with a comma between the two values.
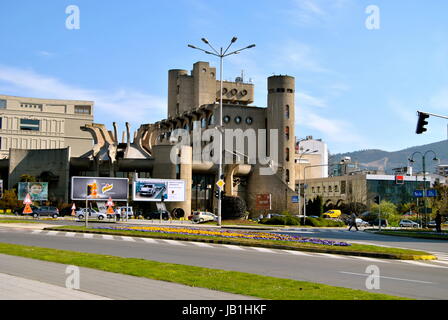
x=207, y=52
x=239, y=50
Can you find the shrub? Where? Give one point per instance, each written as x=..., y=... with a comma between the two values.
x=233, y=208
x=282, y=220
x=321, y=222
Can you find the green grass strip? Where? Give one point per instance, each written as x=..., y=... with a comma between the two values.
x=248, y=284
x=17, y=221
x=354, y=249
x=415, y=234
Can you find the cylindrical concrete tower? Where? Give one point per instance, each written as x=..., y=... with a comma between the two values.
x=280, y=115
x=173, y=91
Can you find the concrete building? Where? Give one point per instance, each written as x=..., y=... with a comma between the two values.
x=193, y=105
x=33, y=124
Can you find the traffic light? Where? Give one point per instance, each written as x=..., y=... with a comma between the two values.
x=219, y=194
x=421, y=122
x=376, y=199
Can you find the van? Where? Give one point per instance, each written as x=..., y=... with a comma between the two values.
x=332, y=214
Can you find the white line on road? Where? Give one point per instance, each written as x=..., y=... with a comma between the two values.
x=88, y=235
x=37, y=231
x=107, y=237
x=52, y=233
x=369, y=259
x=148, y=240
x=70, y=234
x=127, y=238
x=201, y=244
x=297, y=253
x=174, y=242
x=421, y=264
x=440, y=261
x=334, y=256
x=229, y=246
x=263, y=250
x=382, y=277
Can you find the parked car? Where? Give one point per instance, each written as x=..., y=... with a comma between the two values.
x=203, y=216
x=81, y=214
x=431, y=224
x=332, y=214
x=405, y=223
x=120, y=210
x=384, y=223
x=67, y=211
x=361, y=223
x=46, y=211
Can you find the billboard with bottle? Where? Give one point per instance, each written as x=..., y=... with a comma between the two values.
x=100, y=188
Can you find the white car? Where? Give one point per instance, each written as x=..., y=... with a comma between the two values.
x=81, y=213
x=361, y=223
x=408, y=223
x=203, y=216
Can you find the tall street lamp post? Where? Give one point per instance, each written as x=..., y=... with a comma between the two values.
x=307, y=151
x=221, y=55
x=411, y=160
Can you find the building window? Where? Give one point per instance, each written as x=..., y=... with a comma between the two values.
x=313, y=190
x=290, y=90
x=244, y=93
x=330, y=189
x=224, y=90
x=1, y=122
x=287, y=111
x=211, y=120
x=318, y=189
x=287, y=176
x=29, y=124
x=238, y=120
x=233, y=92
x=287, y=154
x=203, y=123
x=226, y=119
x=249, y=120
x=287, y=133
x=82, y=109
x=281, y=90
x=2, y=104
x=323, y=189
x=335, y=188
x=343, y=184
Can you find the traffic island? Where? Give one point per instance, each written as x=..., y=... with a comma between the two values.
x=419, y=234
x=256, y=239
x=248, y=284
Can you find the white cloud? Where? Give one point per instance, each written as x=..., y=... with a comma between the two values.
x=304, y=100
x=118, y=105
x=314, y=12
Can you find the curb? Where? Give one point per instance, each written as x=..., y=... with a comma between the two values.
x=270, y=246
x=426, y=237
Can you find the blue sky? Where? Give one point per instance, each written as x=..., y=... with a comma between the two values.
x=355, y=88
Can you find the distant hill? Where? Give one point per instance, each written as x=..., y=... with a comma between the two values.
x=379, y=159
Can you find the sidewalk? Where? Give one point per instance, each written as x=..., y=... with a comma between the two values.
x=23, y=278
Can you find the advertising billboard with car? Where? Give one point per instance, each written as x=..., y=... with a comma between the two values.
x=100, y=189
x=169, y=190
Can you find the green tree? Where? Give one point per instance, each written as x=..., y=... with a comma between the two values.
x=9, y=200
x=27, y=178
x=388, y=211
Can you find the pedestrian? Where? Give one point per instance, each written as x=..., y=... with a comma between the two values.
x=353, y=222
x=438, y=221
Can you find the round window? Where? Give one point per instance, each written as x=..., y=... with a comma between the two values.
x=224, y=90
x=238, y=120
x=249, y=120
x=233, y=92
x=244, y=92
x=226, y=119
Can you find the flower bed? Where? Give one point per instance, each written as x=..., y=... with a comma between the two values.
x=228, y=234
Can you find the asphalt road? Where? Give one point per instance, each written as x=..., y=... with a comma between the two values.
x=420, y=280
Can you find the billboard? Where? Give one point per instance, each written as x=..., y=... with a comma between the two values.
x=154, y=189
x=263, y=201
x=96, y=188
x=37, y=190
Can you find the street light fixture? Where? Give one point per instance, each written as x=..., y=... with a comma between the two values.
x=411, y=160
x=221, y=55
x=307, y=151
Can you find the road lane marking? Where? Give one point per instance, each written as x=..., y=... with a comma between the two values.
x=233, y=247
x=107, y=237
x=173, y=242
x=334, y=256
x=263, y=250
x=421, y=264
x=88, y=235
x=440, y=261
x=128, y=239
x=382, y=277
x=201, y=244
x=370, y=259
x=297, y=253
x=52, y=233
x=148, y=240
x=37, y=231
x=70, y=234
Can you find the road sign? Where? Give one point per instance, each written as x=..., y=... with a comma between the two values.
x=295, y=199
x=109, y=203
x=73, y=210
x=27, y=199
x=220, y=183
x=399, y=179
x=418, y=193
x=263, y=201
x=431, y=193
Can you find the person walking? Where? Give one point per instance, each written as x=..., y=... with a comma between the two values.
x=353, y=222
x=438, y=221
